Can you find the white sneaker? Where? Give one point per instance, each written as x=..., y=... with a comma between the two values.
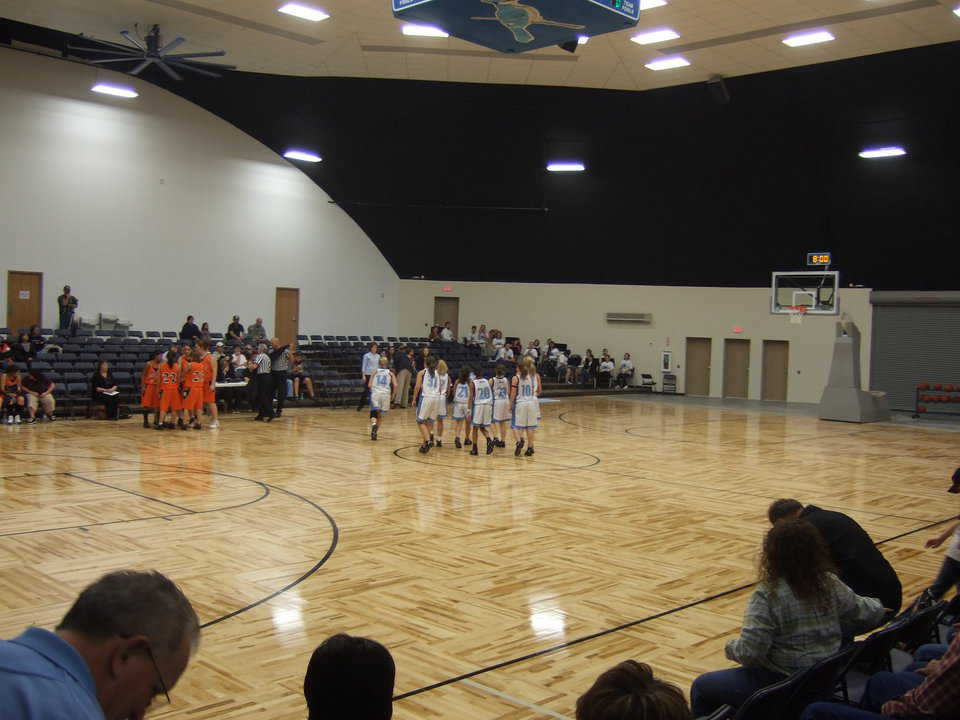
x=9, y=419
x=214, y=425
x=17, y=419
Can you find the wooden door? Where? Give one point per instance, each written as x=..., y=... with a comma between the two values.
x=24, y=300
x=447, y=309
x=697, y=380
x=736, y=368
x=776, y=359
x=287, y=316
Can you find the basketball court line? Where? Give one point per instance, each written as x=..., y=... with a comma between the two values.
x=187, y=510
x=517, y=701
x=623, y=626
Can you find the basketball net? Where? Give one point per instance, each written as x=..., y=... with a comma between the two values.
x=797, y=313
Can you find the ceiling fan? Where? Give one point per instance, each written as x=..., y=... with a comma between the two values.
x=150, y=50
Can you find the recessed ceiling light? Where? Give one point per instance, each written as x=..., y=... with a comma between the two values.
x=667, y=63
x=655, y=36
x=883, y=152
x=956, y=11
x=307, y=12
x=115, y=90
x=566, y=167
x=647, y=4
x=583, y=39
x=302, y=155
x=424, y=31
x=810, y=38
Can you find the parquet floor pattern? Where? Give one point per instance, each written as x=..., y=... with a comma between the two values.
x=636, y=512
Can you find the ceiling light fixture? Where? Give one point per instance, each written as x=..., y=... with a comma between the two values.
x=302, y=155
x=306, y=12
x=115, y=90
x=647, y=4
x=882, y=152
x=424, y=31
x=566, y=167
x=667, y=63
x=583, y=39
x=956, y=11
x=810, y=38
x=655, y=36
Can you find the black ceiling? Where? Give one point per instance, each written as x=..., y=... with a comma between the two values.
x=448, y=179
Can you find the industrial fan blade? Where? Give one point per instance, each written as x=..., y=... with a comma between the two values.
x=115, y=46
x=197, y=70
x=185, y=56
x=175, y=43
x=142, y=66
x=132, y=58
x=169, y=71
x=134, y=39
x=100, y=51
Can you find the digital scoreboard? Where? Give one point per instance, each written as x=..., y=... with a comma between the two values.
x=819, y=259
x=514, y=26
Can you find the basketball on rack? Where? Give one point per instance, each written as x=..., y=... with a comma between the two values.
x=948, y=388
x=923, y=386
x=938, y=386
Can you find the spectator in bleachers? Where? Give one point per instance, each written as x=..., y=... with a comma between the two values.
x=629, y=691
x=349, y=677
x=446, y=332
x=231, y=396
x=38, y=389
x=504, y=353
x=403, y=369
x=588, y=367
x=126, y=640
x=38, y=344
x=552, y=349
x=797, y=616
x=22, y=349
x=235, y=330
x=950, y=567
x=205, y=331
x=496, y=339
x=860, y=564
x=13, y=401
x=6, y=352
x=257, y=332
x=533, y=351
x=625, y=372
x=238, y=362
x=300, y=376
x=931, y=692
x=420, y=360
x=482, y=334
x=104, y=390
x=564, y=371
x=68, y=304
x=190, y=332
x=473, y=339
x=605, y=371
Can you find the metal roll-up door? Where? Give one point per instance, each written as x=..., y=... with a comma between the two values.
x=916, y=338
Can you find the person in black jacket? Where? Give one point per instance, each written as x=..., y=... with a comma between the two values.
x=860, y=564
x=190, y=331
x=103, y=389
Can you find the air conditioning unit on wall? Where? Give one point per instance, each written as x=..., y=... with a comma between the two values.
x=639, y=318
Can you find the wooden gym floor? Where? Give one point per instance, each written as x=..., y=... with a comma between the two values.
x=502, y=585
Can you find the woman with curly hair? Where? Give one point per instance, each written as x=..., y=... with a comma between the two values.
x=797, y=616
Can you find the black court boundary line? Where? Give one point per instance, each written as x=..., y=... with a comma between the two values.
x=622, y=626
x=187, y=510
x=335, y=540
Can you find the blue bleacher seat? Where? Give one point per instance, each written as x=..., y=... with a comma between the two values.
x=152, y=333
x=135, y=333
x=169, y=334
x=40, y=365
x=216, y=336
x=131, y=341
x=46, y=331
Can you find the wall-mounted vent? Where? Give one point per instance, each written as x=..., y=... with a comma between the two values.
x=639, y=318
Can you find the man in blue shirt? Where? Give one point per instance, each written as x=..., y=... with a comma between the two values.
x=127, y=639
x=371, y=361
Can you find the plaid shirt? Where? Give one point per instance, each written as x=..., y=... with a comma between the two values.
x=938, y=696
x=785, y=634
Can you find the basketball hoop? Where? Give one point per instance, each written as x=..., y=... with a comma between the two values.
x=797, y=313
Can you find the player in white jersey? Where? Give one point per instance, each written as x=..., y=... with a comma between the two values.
x=501, y=405
x=444, y=372
x=461, y=401
x=381, y=384
x=428, y=398
x=524, y=390
x=481, y=407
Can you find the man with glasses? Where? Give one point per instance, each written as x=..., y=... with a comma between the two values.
x=127, y=640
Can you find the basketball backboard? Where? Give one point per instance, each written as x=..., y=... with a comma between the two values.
x=815, y=291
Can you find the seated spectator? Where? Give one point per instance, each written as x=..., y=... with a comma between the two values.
x=126, y=640
x=629, y=691
x=605, y=371
x=349, y=677
x=625, y=372
x=504, y=353
x=205, y=331
x=238, y=362
x=13, y=401
x=104, y=390
x=496, y=339
x=564, y=371
x=860, y=564
x=299, y=376
x=797, y=616
x=38, y=343
x=235, y=330
x=931, y=692
x=533, y=351
x=446, y=332
x=226, y=373
x=552, y=350
x=190, y=332
x=434, y=333
x=473, y=339
x=38, y=390
x=257, y=332
x=589, y=367
x=23, y=349
x=6, y=352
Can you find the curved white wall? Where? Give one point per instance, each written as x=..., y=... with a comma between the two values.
x=154, y=208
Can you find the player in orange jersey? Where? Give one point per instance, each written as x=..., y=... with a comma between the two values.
x=150, y=389
x=194, y=382
x=210, y=382
x=170, y=400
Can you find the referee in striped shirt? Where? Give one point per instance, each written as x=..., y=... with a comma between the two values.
x=260, y=367
x=280, y=368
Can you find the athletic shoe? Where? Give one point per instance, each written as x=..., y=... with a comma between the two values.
x=439, y=443
x=425, y=448
x=52, y=418
x=9, y=419
x=529, y=451
x=16, y=419
x=196, y=426
x=501, y=443
x=182, y=426
x=490, y=446
x=467, y=442
x=214, y=425
x=169, y=426
x=373, y=432
x=268, y=418
x=158, y=427
x=31, y=421
x=457, y=443
x=518, y=449
x=473, y=450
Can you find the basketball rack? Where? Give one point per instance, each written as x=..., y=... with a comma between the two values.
x=797, y=313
